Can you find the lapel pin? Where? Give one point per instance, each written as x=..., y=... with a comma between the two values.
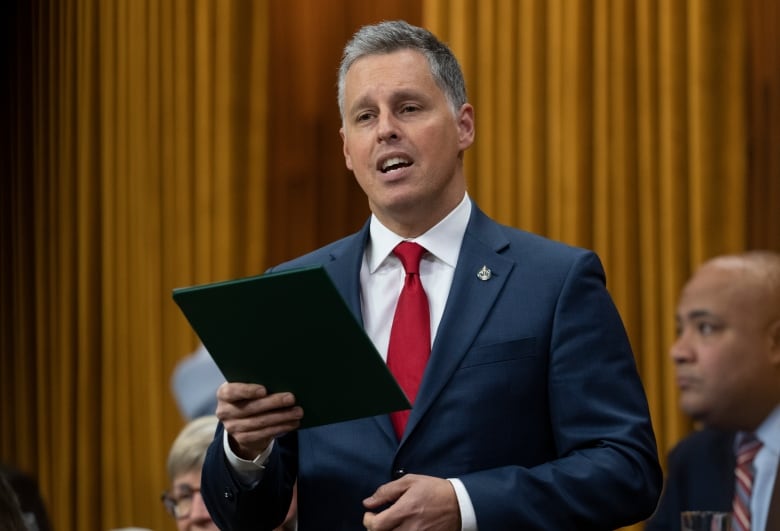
x=484, y=273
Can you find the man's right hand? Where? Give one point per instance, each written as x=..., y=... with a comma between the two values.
x=253, y=418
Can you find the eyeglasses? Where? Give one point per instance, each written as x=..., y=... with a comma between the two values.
x=180, y=506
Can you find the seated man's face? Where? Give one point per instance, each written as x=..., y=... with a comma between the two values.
x=186, y=505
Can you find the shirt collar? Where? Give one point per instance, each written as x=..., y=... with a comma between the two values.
x=769, y=430
x=438, y=240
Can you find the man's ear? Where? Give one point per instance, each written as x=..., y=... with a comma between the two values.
x=774, y=341
x=465, y=120
x=347, y=158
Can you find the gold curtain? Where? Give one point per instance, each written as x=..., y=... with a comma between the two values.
x=763, y=107
x=617, y=126
x=140, y=135
x=143, y=169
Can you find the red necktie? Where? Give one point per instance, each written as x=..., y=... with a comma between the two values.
x=746, y=452
x=410, y=335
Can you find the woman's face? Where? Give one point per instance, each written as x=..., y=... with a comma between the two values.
x=189, y=510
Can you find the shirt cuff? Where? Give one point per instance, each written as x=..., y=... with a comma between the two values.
x=248, y=472
x=468, y=518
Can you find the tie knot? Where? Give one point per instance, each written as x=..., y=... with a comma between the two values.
x=410, y=254
x=747, y=448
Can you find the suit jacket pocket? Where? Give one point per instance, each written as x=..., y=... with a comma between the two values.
x=500, y=352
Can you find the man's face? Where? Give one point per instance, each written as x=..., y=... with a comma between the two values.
x=186, y=491
x=721, y=353
x=403, y=141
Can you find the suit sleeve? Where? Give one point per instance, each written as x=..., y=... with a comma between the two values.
x=667, y=514
x=237, y=507
x=605, y=473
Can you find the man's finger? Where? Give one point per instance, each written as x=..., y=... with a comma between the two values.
x=234, y=391
x=387, y=493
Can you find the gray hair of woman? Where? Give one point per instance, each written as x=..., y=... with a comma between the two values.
x=188, y=451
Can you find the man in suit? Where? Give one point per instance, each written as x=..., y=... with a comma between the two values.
x=727, y=357
x=530, y=413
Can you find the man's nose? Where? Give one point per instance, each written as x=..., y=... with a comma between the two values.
x=387, y=128
x=680, y=350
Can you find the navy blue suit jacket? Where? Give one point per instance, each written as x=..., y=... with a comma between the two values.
x=531, y=397
x=700, y=477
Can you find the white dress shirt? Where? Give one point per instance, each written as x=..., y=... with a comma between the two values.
x=381, y=279
x=765, y=463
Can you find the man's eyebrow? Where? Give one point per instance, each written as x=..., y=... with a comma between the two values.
x=696, y=314
x=409, y=94
x=361, y=103
x=365, y=102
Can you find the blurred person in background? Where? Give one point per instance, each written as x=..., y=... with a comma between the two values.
x=10, y=512
x=28, y=497
x=727, y=359
x=185, y=461
x=194, y=384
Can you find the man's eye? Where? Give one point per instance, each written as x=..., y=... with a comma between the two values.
x=363, y=117
x=409, y=108
x=706, y=329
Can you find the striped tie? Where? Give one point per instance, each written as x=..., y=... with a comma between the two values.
x=746, y=452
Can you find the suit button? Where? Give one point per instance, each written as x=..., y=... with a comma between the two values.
x=228, y=495
x=399, y=473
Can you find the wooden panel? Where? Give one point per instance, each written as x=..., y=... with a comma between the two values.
x=312, y=197
x=763, y=107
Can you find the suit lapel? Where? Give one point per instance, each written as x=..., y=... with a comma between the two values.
x=468, y=303
x=344, y=270
x=467, y=307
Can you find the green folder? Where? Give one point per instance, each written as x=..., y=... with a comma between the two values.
x=292, y=331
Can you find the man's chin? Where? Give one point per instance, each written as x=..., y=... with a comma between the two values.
x=694, y=409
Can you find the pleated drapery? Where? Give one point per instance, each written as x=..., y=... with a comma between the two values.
x=139, y=166
x=618, y=126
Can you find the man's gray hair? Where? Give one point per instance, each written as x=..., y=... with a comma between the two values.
x=392, y=36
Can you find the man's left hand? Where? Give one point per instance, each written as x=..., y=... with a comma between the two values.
x=416, y=503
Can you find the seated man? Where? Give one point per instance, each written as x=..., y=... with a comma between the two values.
x=727, y=357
